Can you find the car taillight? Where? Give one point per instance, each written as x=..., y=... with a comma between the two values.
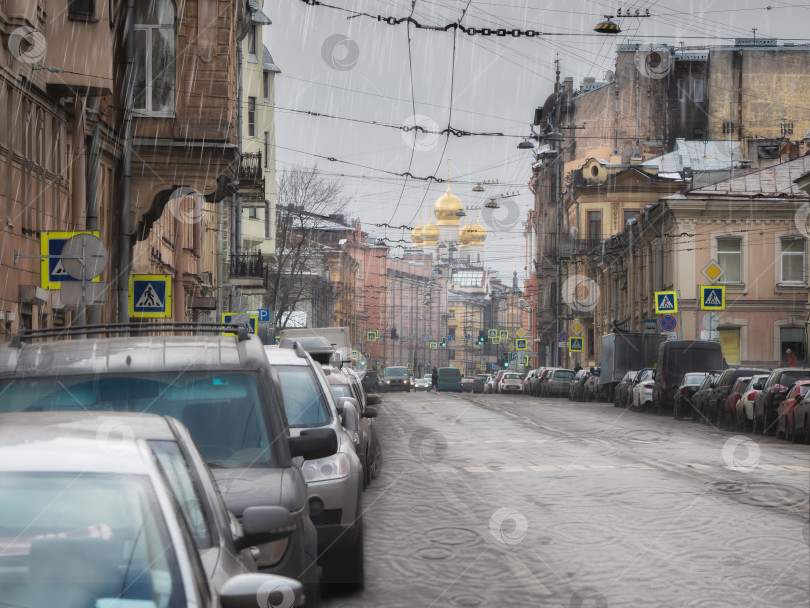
x=684, y=391
x=751, y=396
x=503, y=380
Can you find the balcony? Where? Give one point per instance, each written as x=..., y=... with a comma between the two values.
x=247, y=270
x=250, y=178
x=571, y=248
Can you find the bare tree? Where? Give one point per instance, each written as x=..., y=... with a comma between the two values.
x=305, y=200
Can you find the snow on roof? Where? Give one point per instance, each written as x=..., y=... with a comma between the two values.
x=712, y=155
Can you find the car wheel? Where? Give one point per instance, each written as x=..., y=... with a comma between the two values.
x=676, y=410
x=366, y=471
x=794, y=436
x=376, y=461
x=348, y=574
x=720, y=416
x=754, y=422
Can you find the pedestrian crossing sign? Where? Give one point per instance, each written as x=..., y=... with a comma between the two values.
x=712, y=297
x=492, y=333
x=504, y=335
x=371, y=336
x=150, y=296
x=235, y=317
x=576, y=344
x=524, y=360
x=666, y=302
x=522, y=344
x=496, y=340
x=53, y=272
x=434, y=345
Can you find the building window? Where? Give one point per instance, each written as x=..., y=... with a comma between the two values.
x=80, y=8
x=253, y=213
x=681, y=89
x=267, y=149
x=451, y=314
x=251, y=40
x=793, y=261
x=730, y=345
x=697, y=90
x=594, y=225
x=791, y=338
x=266, y=85
x=629, y=214
x=251, y=117
x=729, y=256
x=154, y=57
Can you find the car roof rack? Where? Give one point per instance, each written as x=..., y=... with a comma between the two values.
x=293, y=345
x=240, y=330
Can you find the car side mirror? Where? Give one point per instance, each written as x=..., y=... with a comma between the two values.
x=799, y=398
x=245, y=590
x=349, y=417
x=262, y=525
x=370, y=412
x=373, y=399
x=313, y=444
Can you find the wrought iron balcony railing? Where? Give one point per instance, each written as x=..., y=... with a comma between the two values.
x=570, y=247
x=250, y=167
x=247, y=265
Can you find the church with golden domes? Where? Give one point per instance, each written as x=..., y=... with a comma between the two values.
x=447, y=240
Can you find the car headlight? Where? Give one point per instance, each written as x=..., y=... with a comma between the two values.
x=326, y=469
x=388, y=382
x=269, y=554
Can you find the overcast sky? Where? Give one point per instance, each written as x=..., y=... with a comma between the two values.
x=359, y=69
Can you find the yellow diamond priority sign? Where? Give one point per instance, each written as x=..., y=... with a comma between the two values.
x=576, y=326
x=713, y=271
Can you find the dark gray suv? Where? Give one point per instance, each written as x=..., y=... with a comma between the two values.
x=220, y=386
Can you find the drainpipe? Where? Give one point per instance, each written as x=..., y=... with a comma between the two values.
x=631, y=272
x=78, y=213
x=659, y=262
x=92, y=313
x=126, y=161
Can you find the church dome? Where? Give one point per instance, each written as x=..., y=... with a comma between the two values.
x=464, y=236
x=416, y=234
x=446, y=207
x=430, y=234
x=477, y=234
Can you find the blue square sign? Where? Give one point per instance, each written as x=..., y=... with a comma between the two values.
x=150, y=296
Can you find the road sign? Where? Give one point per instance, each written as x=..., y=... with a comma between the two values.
x=84, y=254
x=521, y=333
x=264, y=315
x=449, y=338
x=576, y=344
x=522, y=344
x=524, y=360
x=668, y=323
x=665, y=302
x=650, y=326
x=371, y=336
x=492, y=333
x=410, y=366
x=492, y=365
x=496, y=340
x=512, y=356
x=712, y=297
x=504, y=335
x=355, y=355
x=563, y=336
x=236, y=317
x=467, y=336
x=53, y=272
x=434, y=346
x=713, y=271
x=576, y=326
x=710, y=320
x=150, y=296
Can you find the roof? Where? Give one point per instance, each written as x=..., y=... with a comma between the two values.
x=256, y=14
x=699, y=156
x=267, y=61
x=776, y=181
x=89, y=442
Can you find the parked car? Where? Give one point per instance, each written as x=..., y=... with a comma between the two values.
x=558, y=382
x=678, y=357
x=222, y=388
x=642, y=395
x=541, y=381
x=449, y=379
x=785, y=421
x=479, y=382
x=135, y=520
x=423, y=384
x=682, y=401
x=335, y=482
x=510, y=382
x=773, y=392
x=590, y=390
x=534, y=382
x=745, y=406
x=577, y=386
x=491, y=384
x=801, y=420
x=370, y=381
x=729, y=409
x=527, y=381
x=344, y=383
x=721, y=389
x=701, y=396
x=396, y=378
x=621, y=394
x=467, y=384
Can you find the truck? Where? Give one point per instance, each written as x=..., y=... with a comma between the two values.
x=622, y=352
x=339, y=337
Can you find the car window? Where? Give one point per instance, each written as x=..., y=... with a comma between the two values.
x=225, y=413
x=101, y=532
x=449, y=373
x=395, y=371
x=707, y=382
x=693, y=378
x=175, y=470
x=789, y=378
x=341, y=390
x=304, y=402
x=564, y=374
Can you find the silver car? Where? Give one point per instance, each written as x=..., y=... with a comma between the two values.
x=102, y=510
x=334, y=483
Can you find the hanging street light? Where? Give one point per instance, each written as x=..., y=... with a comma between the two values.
x=478, y=187
x=607, y=26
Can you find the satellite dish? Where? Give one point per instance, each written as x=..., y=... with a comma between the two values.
x=654, y=63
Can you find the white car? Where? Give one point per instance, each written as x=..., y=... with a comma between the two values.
x=643, y=390
x=510, y=382
x=745, y=405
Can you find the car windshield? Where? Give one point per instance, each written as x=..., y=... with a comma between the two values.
x=693, y=378
x=449, y=373
x=564, y=374
x=340, y=390
x=512, y=376
x=77, y=540
x=305, y=404
x=395, y=371
x=789, y=378
x=225, y=412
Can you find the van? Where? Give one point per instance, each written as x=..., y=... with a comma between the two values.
x=678, y=357
x=449, y=379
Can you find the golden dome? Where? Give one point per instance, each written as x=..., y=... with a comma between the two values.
x=446, y=207
x=477, y=233
x=464, y=236
x=416, y=233
x=430, y=234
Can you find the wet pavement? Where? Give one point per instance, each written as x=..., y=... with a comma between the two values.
x=489, y=500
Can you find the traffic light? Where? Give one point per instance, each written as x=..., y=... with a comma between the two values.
x=505, y=359
x=444, y=342
x=482, y=337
